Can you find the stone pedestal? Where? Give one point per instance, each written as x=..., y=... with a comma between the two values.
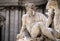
x=29, y=39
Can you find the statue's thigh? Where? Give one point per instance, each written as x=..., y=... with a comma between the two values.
x=35, y=30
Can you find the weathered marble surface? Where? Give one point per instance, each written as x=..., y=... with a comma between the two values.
x=38, y=25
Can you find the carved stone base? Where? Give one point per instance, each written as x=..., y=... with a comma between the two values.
x=42, y=38
x=29, y=39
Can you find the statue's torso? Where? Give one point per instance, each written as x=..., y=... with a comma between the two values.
x=32, y=20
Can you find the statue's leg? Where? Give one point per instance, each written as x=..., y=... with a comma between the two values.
x=26, y=34
x=35, y=30
x=47, y=31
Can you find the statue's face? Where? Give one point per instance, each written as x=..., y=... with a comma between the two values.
x=30, y=7
x=30, y=10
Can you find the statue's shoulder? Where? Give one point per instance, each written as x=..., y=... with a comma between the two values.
x=24, y=16
x=41, y=15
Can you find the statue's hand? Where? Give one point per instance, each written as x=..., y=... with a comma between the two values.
x=19, y=36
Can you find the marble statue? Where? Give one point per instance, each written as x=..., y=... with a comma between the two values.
x=35, y=25
x=31, y=21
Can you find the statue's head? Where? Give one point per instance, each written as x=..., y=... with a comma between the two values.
x=30, y=6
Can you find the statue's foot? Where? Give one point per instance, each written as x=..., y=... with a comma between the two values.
x=19, y=36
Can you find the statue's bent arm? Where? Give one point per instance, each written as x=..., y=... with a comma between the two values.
x=50, y=17
x=19, y=36
x=23, y=24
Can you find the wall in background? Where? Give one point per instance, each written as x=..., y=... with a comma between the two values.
x=12, y=24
